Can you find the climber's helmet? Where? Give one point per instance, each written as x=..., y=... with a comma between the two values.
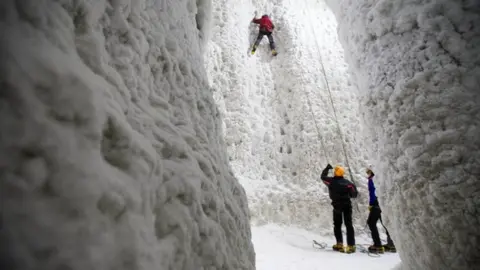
x=338, y=171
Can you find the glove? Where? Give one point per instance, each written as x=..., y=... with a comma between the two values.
x=329, y=166
x=370, y=208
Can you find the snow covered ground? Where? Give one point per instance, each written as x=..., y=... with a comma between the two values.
x=290, y=248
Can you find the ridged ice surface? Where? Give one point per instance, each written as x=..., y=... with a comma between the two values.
x=111, y=154
x=416, y=64
x=124, y=125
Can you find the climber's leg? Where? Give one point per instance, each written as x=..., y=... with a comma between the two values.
x=257, y=42
x=270, y=40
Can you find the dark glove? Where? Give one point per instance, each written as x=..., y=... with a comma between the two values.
x=329, y=166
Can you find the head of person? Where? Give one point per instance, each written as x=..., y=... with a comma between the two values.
x=370, y=172
x=338, y=171
x=265, y=16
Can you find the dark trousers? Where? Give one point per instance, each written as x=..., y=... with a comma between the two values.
x=373, y=217
x=343, y=212
x=260, y=36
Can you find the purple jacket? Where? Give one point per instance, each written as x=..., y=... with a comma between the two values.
x=371, y=192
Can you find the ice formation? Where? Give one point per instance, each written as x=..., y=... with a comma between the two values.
x=111, y=154
x=280, y=127
x=416, y=64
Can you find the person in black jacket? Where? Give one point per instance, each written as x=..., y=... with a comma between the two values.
x=340, y=191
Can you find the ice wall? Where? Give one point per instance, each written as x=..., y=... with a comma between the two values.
x=111, y=154
x=279, y=123
x=417, y=66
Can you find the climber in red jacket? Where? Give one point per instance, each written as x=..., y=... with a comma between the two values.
x=265, y=29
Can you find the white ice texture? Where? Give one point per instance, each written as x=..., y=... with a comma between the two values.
x=114, y=153
x=279, y=122
x=417, y=66
x=111, y=154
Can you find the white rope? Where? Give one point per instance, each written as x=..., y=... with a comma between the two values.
x=316, y=124
x=347, y=162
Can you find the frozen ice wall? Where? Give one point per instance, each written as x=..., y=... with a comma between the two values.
x=110, y=149
x=279, y=122
x=416, y=64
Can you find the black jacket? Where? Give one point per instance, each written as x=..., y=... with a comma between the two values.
x=339, y=189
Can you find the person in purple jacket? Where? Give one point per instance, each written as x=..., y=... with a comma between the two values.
x=373, y=217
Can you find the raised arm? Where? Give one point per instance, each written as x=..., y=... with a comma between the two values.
x=255, y=20
x=324, y=176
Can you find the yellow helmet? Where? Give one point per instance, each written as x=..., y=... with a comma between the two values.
x=338, y=171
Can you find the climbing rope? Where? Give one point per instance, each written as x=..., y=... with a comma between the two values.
x=319, y=245
x=319, y=134
x=363, y=249
x=316, y=127
x=344, y=148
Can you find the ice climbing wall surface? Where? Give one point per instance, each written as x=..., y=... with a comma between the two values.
x=111, y=153
x=416, y=65
x=278, y=119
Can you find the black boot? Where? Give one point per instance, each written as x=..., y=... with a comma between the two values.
x=390, y=248
x=376, y=249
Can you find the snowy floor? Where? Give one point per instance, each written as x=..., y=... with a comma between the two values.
x=285, y=248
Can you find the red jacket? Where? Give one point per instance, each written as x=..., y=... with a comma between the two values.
x=265, y=24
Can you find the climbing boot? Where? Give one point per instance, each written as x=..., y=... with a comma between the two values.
x=254, y=48
x=338, y=247
x=350, y=249
x=389, y=248
x=376, y=249
x=274, y=53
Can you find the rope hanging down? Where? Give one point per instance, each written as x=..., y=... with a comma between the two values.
x=313, y=117
x=316, y=125
x=344, y=148
x=322, y=143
